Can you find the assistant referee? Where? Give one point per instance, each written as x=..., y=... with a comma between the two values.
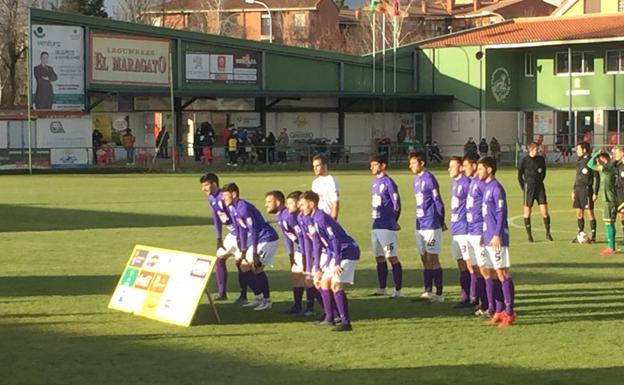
x=531, y=175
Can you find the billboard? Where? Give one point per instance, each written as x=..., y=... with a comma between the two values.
x=128, y=59
x=161, y=284
x=57, y=62
x=228, y=68
x=64, y=133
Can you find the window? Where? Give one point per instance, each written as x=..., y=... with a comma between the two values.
x=615, y=62
x=582, y=63
x=265, y=25
x=300, y=25
x=592, y=6
x=621, y=6
x=529, y=67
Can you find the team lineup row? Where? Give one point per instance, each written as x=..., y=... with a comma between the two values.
x=323, y=256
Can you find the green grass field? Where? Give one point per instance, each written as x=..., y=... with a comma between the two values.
x=66, y=238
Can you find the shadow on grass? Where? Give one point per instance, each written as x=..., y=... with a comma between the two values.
x=151, y=359
x=18, y=218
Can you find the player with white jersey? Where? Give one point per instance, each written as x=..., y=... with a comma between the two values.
x=429, y=226
x=474, y=217
x=496, y=242
x=228, y=246
x=386, y=204
x=459, y=229
x=258, y=242
x=326, y=187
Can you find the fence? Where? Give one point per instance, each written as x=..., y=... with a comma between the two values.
x=186, y=158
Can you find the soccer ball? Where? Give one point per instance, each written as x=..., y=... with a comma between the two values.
x=582, y=237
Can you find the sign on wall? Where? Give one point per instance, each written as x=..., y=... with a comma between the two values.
x=229, y=68
x=64, y=133
x=165, y=285
x=57, y=57
x=500, y=84
x=543, y=122
x=128, y=59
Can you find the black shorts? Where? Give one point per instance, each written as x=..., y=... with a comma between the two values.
x=583, y=198
x=534, y=192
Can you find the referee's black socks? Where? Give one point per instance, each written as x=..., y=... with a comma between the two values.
x=592, y=224
x=547, y=224
x=527, y=227
x=580, y=225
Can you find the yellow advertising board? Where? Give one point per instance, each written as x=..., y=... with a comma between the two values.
x=161, y=284
x=127, y=59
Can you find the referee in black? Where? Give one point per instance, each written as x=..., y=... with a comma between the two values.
x=585, y=191
x=618, y=159
x=531, y=175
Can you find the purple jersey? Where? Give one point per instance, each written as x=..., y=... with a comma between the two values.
x=220, y=215
x=308, y=235
x=495, y=213
x=386, y=203
x=459, y=195
x=474, y=200
x=429, y=206
x=332, y=238
x=252, y=228
x=291, y=230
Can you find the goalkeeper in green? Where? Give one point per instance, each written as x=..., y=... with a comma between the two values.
x=601, y=162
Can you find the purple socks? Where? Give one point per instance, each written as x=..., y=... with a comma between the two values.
x=438, y=281
x=397, y=274
x=482, y=294
x=489, y=290
x=328, y=307
x=343, y=306
x=464, y=283
x=428, y=277
x=498, y=296
x=242, y=281
x=382, y=274
x=473, y=288
x=263, y=284
x=311, y=295
x=508, y=295
x=221, y=277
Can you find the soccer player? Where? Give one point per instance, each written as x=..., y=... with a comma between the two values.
x=429, y=225
x=474, y=217
x=225, y=247
x=338, y=267
x=496, y=243
x=459, y=230
x=258, y=244
x=531, y=175
x=585, y=191
x=287, y=212
x=601, y=162
x=618, y=157
x=326, y=187
x=386, y=211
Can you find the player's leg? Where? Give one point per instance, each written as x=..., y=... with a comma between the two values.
x=433, y=255
x=592, y=224
x=495, y=286
x=543, y=206
x=247, y=269
x=266, y=252
x=427, y=276
x=382, y=266
x=328, y=298
x=476, y=260
x=388, y=240
x=487, y=271
x=298, y=283
x=340, y=296
x=508, y=289
x=457, y=244
x=221, y=276
x=608, y=216
x=528, y=197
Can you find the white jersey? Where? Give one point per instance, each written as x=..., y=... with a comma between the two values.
x=328, y=190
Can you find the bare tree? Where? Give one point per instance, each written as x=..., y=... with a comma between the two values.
x=134, y=10
x=12, y=47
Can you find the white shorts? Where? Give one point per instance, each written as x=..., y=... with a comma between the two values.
x=475, y=250
x=266, y=251
x=384, y=243
x=230, y=247
x=459, y=248
x=348, y=271
x=297, y=268
x=429, y=241
x=497, y=260
x=324, y=264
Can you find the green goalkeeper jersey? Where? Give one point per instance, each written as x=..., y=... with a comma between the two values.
x=607, y=179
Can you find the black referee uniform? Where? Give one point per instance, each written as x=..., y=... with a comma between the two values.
x=531, y=175
x=586, y=184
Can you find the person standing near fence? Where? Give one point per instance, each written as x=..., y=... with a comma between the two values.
x=127, y=140
x=282, y=146
x=531, y=175
x=232, y=145
x=483, y=147
x=495, y=148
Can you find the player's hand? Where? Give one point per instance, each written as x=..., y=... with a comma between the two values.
x=220, y=244
x=291, y=256
x=495, y=243
x=594, y=197
x=338, y=270
x=256, y=260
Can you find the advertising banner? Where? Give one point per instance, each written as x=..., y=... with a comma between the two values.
x=229, y=68
x=64, y=133
x=69, y=157
x=128, y=59
x=57, y=57
x=543, y=122
x=18, y=159
x=165, y=285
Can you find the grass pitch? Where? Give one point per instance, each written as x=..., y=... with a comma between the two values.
x=65, y=239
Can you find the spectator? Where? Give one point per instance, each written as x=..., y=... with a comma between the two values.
x=207, y=142
x=495, y=148
x=282, y=146
x=97, y=139
x=127, y=140
x=270, y=142
x=434, y=152
x=383, y=146
x=483, y=147
x=470, y=148
x=233, y=148
x=162, y=143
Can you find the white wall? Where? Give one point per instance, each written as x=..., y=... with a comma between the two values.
x=452, y=129
x=501, y=124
